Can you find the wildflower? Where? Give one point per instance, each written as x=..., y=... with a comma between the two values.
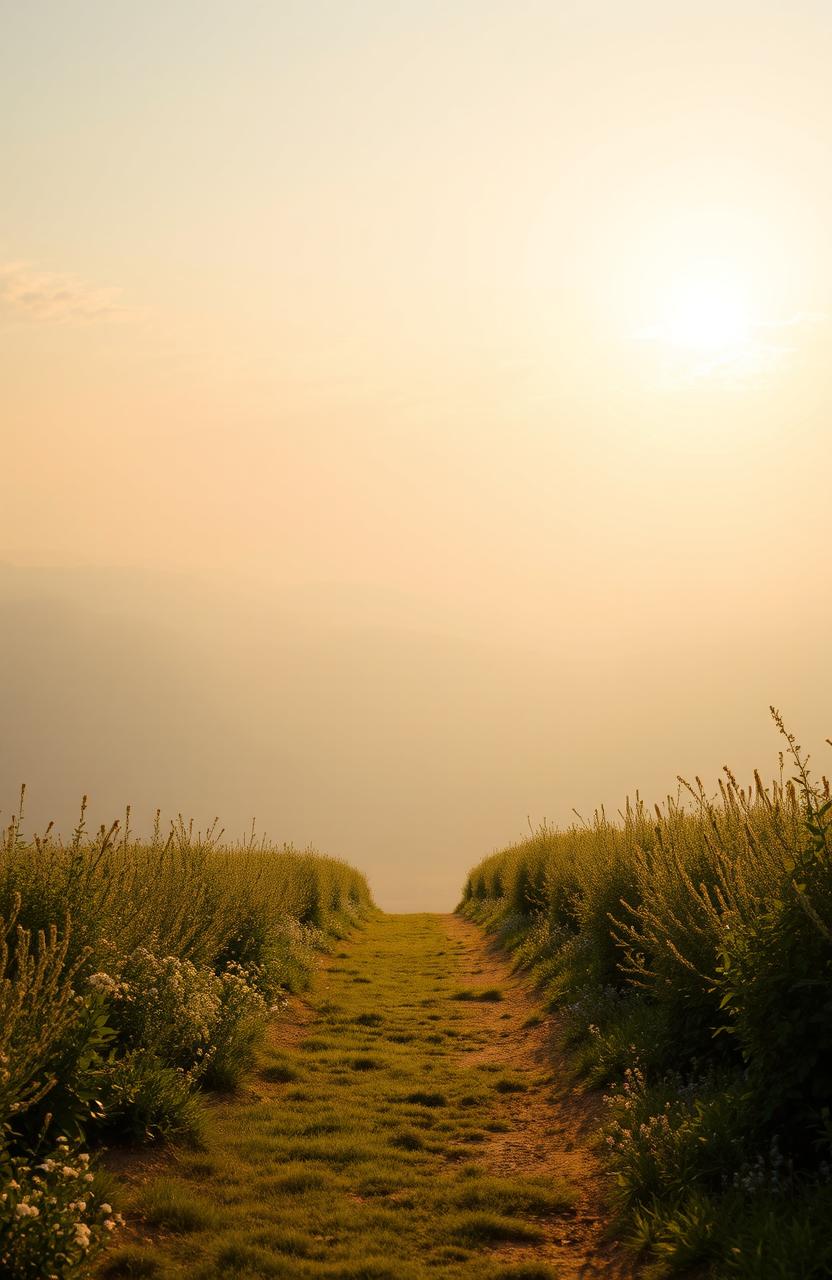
x=104, y=983
x=82, y=1235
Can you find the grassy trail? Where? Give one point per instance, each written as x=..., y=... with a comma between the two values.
x=403, y=1123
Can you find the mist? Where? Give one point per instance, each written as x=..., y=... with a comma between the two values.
x=346, y=720
x=415, y=417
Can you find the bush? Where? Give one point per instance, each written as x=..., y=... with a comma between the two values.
x=689, y=954
x=186, y=1015
x=142, y=1100
x=38, y=1011
x=52, y=1222
x=775, y=983
x=132, y=974
x=673, y=1136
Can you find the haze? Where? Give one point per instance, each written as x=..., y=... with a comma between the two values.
x=414, y=416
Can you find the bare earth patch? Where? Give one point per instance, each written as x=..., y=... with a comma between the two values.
x=553, y=1125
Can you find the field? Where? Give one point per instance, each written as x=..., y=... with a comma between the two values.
x=687, y=952
x=135, y=977
x=226, y=1062
x=384, y=1135
x=614, y=1060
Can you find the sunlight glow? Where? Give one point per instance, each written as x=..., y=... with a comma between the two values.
x=707, y=315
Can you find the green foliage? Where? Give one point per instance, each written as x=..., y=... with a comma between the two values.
x=510, y=1195
x=143, y=1100
x=688, y=954
x=130, y=1261
x=775, y=981
x=39, y=1013
x=52, y=1221
x=132, y=974
x=166, y=1203
x=77, y=1063
x=366, y=1173
x=482, y=1228
x=669, y=1137
x=491, y=995
x=525, y=1271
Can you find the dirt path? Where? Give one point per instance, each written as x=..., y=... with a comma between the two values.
x=405, y=1122
x=553, y=1130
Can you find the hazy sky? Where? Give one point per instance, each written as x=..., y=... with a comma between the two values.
x=414, y=415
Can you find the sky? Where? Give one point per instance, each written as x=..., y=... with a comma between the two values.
x=414, y=415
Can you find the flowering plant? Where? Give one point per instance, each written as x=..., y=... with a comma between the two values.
x=52, y=1222
x=185, y=1014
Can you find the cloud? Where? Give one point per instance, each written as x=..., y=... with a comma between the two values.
x=52, y=296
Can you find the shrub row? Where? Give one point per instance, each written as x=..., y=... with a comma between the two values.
x=688, y=950
x=133, y=974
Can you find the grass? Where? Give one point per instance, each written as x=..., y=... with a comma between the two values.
x=482, y=1229
x=367, y=1172
x=130, y=1262
x=136, y=976
x=279, y=1073
x=168, y=1203
x=513, y=1195
x=686, y=952
x=525, y=1271
x=509, y=1084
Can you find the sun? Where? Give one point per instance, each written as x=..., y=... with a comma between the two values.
x=707, y=314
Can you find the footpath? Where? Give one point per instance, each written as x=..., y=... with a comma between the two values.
x=406, y=1120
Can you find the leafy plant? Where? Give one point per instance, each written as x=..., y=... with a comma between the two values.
x=688, y=954
x=52, y=1221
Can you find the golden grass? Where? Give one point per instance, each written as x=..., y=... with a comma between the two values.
x=360, y=1156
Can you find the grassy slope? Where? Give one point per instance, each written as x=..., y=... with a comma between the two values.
x=361, y=1152
x=687, y=953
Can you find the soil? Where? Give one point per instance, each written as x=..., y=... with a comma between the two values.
x=553, y=1131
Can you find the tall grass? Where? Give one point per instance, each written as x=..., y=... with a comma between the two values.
x=688, y=950
x=133, y=974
